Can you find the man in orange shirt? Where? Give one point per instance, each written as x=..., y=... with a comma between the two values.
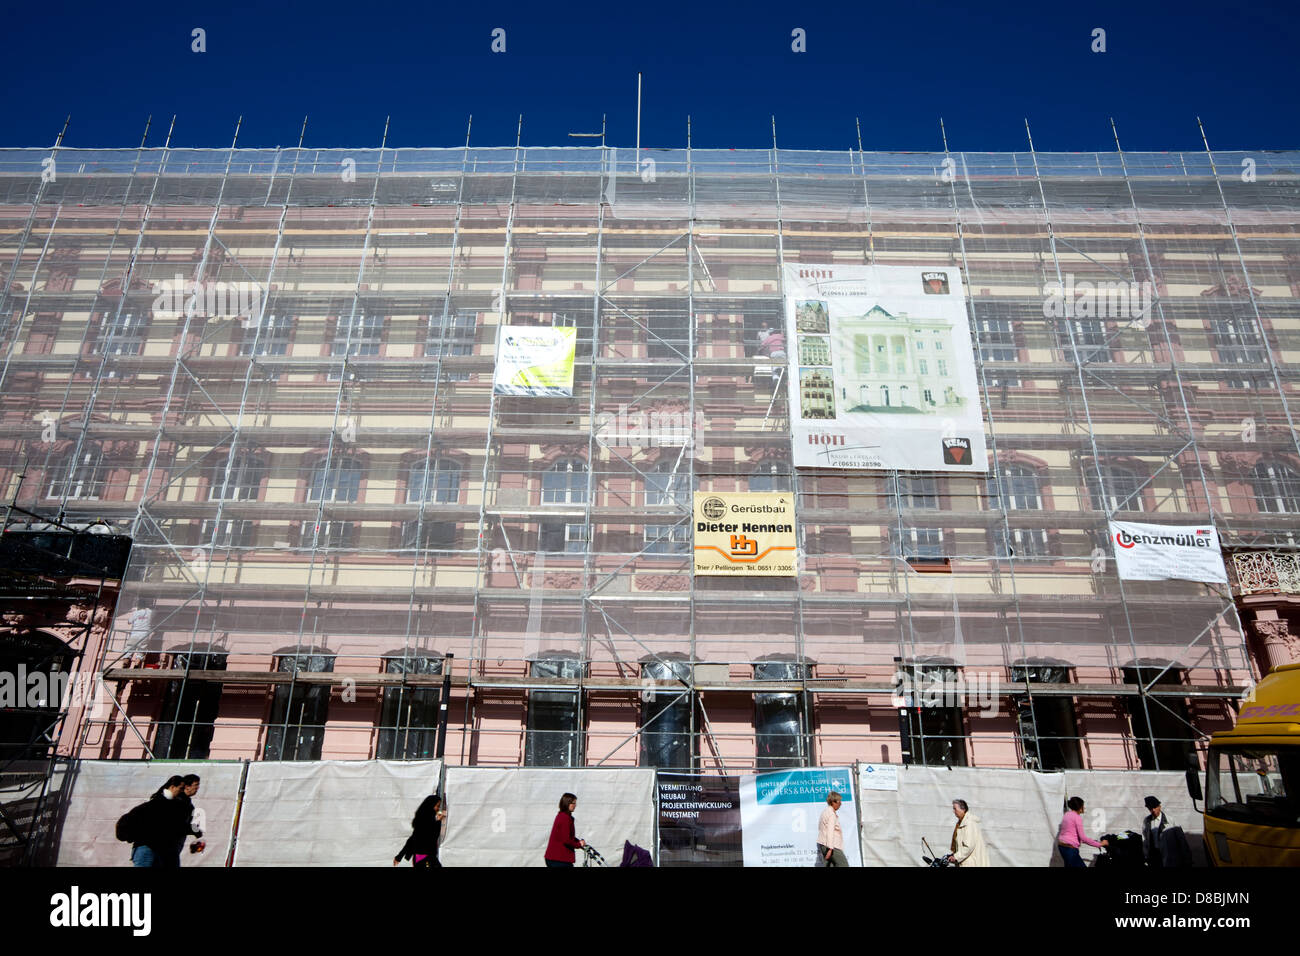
x=830, y=838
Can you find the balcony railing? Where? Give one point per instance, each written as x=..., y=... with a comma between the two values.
x=1260, y=572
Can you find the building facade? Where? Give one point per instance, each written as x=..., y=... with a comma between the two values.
x=277, y=380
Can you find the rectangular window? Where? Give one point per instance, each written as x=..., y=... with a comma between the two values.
x=781, y=735
x=433, y=536
x=935, y=727
x=296, y=728
x=189, y=710
x=357, y=335
x=226, y=533
x=408, y=716
x=561, y=536
x=667, y=539
x=327, y=534
x=667, y=335
x=666, y=740
x=455, y=337
x=1237, y=341
x=1049, y=735
x=1162, y=733
x=997, y=343
x=554, y=717
x=273, y=340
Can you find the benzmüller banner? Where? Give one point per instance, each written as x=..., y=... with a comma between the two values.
x=1160, y=552
x=535, y=360
x=882, y=374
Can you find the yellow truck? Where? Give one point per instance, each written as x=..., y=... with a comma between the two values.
x=1252, y=779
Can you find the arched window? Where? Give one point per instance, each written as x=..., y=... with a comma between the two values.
x=1277, y=488
x=438, y=482
x=80, y=474
x=565, y=482
x=1118, y=491
x=669, y=483
x=340, y=482
x=770, y=476
x=1020, y=484
x=242, y=483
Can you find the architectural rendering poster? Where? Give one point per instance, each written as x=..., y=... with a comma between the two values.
x=1155, y=552
x=779, y=814
x=745, y=534
x=882, y=374
x=535, y=360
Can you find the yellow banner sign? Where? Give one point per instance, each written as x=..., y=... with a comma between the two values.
x=745, y=534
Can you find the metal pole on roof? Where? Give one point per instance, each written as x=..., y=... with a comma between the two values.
x=638, y=119
x=302, y=133
x=147, y=124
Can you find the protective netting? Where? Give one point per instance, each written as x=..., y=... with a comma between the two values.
x=327, y=471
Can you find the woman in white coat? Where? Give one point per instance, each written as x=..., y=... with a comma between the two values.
x=968, y=848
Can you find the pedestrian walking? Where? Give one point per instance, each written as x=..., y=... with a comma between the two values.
x=421, y=847
x=564, y=838
x=968, y=847
x=830, y=838
x=156, y=829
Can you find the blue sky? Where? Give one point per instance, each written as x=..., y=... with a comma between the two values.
x=898, y=67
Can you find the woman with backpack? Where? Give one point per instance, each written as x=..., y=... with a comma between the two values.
x=157, y=828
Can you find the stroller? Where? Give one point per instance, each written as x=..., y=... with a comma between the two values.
x=933, y=860
x=633, y=855
x=1122, y=852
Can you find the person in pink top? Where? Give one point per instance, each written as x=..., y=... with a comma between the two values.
x=1070, y=834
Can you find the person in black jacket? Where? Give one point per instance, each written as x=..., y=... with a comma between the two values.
x=160, y=826
x=189, y=789
x=426, y=829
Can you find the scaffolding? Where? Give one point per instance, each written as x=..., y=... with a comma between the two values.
x=327, y=492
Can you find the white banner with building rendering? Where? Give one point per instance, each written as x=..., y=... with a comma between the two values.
x=882, y=373
x=1155, y=552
